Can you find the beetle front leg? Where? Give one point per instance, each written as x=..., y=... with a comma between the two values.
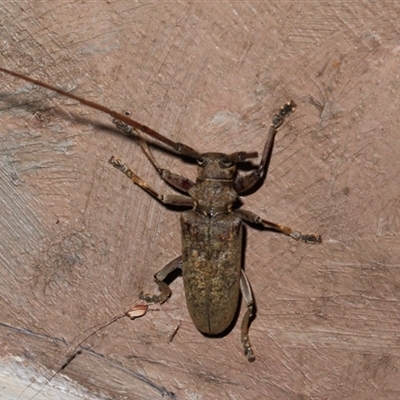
x=159, y=277
x=252, y=218
x=247, y=294
x=246, y=182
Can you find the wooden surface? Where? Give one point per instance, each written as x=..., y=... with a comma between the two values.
x=79, y=242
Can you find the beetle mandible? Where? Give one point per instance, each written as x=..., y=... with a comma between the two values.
x=212, y=231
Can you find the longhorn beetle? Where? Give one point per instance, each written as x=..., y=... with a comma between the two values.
x=212, y=231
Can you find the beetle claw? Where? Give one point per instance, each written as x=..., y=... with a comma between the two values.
x=250, y=355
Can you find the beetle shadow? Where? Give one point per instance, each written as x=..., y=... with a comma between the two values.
x=113, y=130
x=41, y=105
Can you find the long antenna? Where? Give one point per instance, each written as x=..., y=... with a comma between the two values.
x=180, y=148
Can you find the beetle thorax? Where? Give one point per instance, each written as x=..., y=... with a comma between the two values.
x=213, y=192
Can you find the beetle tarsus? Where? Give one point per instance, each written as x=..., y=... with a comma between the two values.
x=248, y=351
x=117, y=163
x=124, y=127
x=159, y=277
x=285, y=110
x=153, y=298
x=310, y=238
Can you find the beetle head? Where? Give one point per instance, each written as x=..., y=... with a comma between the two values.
x=220, y=165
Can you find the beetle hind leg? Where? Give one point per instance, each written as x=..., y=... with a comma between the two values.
x=245, y=288
x=159, y=277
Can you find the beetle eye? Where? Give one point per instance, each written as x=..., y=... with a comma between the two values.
x=201, y=161
x=226, y=163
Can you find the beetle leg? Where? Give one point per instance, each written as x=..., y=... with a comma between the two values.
x=173, y=199
x=177, y=181
x=246, y=182
x=247, y=294
x=159, y=277
x=250, y=217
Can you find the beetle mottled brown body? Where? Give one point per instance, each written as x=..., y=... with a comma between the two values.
x=212, y=231
x=212, y=246
x=211, y=264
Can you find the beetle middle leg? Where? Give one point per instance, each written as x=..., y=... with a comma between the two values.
x=172, y=199
x=250, y=217
x=159, y=277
